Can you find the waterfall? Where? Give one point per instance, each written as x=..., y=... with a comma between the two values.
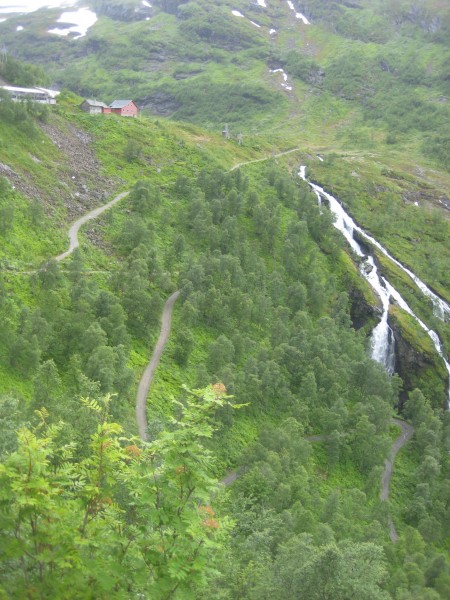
x=382, y=341
x=441, y=308
x=383, y=345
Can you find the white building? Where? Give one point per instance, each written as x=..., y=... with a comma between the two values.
x=36, y=94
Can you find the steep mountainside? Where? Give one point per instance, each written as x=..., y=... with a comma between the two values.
x=191, y=60
x=267, y=297
x=289, y=252
x=367, y=81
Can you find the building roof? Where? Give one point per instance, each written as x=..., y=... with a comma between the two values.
x=120, y=103
x=96, y=103
x=37, y=90
x=52, y=93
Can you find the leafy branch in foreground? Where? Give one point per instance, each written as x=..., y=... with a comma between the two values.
x=130, y=520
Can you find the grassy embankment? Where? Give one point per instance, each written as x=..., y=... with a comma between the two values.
x=166, y=150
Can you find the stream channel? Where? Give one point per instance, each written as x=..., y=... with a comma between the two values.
x=382, y=342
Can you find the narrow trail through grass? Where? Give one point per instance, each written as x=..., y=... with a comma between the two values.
x=406, y=434
x=147, y=376
x=257, y=160
x=75, y=227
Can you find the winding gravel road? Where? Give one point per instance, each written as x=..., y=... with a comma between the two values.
x=403, y=438
x=146, y=379
x=257, y=160
x=166, y=319
x=75, y=227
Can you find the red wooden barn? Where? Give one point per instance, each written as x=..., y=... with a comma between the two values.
x=124, y=108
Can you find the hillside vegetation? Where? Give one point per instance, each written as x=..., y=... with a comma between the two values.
x=367, y=87
x=264, y=308
x=267, y=371
x=383, y=65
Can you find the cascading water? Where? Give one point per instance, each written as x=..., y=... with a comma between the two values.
x=382, y=342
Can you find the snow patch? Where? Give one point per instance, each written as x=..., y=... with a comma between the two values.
x=82, y=20
x=262, y=3
x=297, y=14
x=19, y=28
x=236, y=13
x=303, y=18
x=285, y=84
x=272, y=31
x=145, y=3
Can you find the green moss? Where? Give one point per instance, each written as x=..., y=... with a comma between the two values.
x=413, y=332
x=432, y=376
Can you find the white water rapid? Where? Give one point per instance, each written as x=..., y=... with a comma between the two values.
x=383, y=350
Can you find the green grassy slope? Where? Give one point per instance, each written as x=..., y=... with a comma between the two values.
x=369, y=82
x=264, y=308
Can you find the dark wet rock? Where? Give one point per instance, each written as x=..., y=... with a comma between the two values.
x=123, y=12
x=181, y=75
x=160, y=103
x=351, y=4
x=360, y=310
x=412, y=363
x=316, y=76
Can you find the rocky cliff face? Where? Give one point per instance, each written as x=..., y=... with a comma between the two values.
x=361, y=312
x=79, y=180
x=408, y=361
x=124, y=12
x=160, y=103
x=417, y=367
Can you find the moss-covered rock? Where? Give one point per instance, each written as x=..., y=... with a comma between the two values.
x=365, y=306
x=417, y=362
